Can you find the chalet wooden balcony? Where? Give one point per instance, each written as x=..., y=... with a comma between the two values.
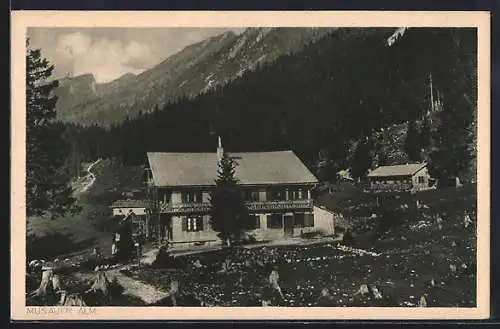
x=306, y=204
x=381, y=188
x=193, y=208
x=185, y=208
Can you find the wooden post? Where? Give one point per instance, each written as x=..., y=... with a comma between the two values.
x=146, y=229
x=138, y=252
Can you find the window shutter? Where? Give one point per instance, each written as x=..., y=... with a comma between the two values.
x=200, y=223
x=257, y=221
x=184, y=223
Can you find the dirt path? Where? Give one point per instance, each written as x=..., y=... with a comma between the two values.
x=84, y=183
x=90, y=176
x=147, y=293
x=150, y=255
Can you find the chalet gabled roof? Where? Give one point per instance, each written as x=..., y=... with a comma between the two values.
x=254, y=168
x=397, y=170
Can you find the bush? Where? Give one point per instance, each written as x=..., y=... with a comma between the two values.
x=388, y=219
x=348, y=239
x=339, y=229
x=53, y=245
x=248, y=238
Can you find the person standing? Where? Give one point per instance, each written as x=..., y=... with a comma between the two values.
x=467, y=220
x=114, y=247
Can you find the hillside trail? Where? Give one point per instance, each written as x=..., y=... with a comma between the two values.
x=88, y=180
x=132, y=287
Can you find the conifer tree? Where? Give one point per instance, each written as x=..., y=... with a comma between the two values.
x=412, y=143
x=361, y=160
x=229, y=214
x=456, y=77
x=47, y=180
x=425, y=133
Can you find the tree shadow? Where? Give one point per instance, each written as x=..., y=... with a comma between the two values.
x=54, y=244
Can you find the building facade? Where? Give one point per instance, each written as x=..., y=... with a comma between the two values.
x=136, y=212
x=124, y=207
x=276, y=187
x=400, y=178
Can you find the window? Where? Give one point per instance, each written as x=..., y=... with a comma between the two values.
x=191, y=196
x=299, y=220
x=253, y=222
x=251, y=195
x=303, y=220
x=421, y=179
x=192, y=224
x=309, y=220
x=274, y=221
x=278, y=195
x=296, y=194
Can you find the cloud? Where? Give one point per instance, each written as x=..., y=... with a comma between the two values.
x=106, y=58
x=73, y=45
x=139, y=55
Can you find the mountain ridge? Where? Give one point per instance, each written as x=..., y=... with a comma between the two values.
x=195, y=69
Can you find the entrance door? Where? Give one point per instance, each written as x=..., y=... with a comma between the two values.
x=288, y=225
x=166, y=228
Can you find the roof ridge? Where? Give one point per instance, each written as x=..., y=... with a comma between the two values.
x=190, y=168
x=415, y=167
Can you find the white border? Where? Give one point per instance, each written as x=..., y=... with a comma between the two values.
x=20, y=20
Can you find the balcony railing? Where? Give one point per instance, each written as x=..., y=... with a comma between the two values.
x=185, y=208
x=397, y=187
x=189, y=208
x=280, y=205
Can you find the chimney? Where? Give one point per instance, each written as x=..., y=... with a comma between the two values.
x=220, y=150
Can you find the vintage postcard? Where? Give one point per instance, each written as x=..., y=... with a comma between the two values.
x=250, y=165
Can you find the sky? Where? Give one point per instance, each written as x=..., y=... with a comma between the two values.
x=108, y=53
